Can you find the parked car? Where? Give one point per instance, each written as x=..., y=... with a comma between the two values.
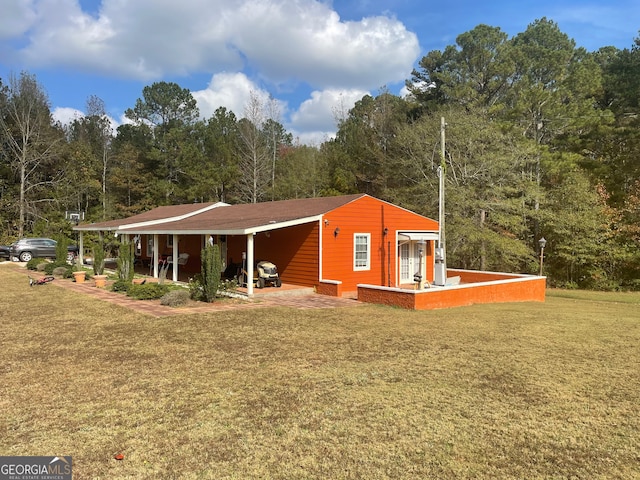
x=27, y=248
x=4, y=252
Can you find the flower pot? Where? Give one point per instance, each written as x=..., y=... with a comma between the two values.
x=101, y=280
x=79, y=276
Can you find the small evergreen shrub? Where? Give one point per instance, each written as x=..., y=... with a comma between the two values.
x=147, y=291
x=51, y=266
x=121, y=286
x=126, y=259
x=175, y=298
x=196, y=290
x=34, y=262
x=98, y=259
x=211, y=268
x=228, y=285
x=61, y=249
x=633, y=285
x=61, y=272
x=42, y=266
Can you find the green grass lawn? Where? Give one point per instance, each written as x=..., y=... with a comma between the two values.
x=532, y=390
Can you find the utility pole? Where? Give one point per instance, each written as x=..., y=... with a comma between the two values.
x=441, y=255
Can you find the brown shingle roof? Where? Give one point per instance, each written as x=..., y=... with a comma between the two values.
x=254, y=215
x=158, y=213
x=232, y=218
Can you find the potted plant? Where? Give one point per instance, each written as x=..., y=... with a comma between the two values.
x=79, y=275
x=98, y=266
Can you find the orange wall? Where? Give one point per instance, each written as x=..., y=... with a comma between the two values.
x=191, y=244
x=524, y=289
x=294, y=250
x=368, y=215
x=472, y=276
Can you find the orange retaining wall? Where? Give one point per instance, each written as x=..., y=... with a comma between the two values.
x=332, y=288
x=496, y=288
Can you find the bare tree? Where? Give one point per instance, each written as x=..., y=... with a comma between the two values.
x=97, y=115
x=26, y=127
x=273, y=114
x=253, y=149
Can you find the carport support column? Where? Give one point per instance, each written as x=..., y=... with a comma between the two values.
x=175, y=258
x=81, y=248
x=250, y=264
x=156, y=257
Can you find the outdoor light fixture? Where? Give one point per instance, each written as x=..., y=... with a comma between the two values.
x=336, y=231
x=542, y=242
x=421, y=246
x=385, y=231
x=326, y=222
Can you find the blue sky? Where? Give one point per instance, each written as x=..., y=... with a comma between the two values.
x=316, y=58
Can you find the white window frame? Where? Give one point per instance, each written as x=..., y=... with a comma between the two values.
x=356, y=266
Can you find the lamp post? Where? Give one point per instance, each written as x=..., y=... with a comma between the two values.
x=542, y=242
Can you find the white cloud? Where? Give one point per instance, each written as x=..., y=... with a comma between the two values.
x=314, y=139
x=315, y=120
x=66, y=116
x=324, y=109
x=17, y=16
x=306, y=40
x=230, y=90
x=285, y=46
x=285, y=40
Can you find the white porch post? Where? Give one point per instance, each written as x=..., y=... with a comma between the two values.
x=250, y=264
x=175, y=257
x=81, y=247
x=155, y=255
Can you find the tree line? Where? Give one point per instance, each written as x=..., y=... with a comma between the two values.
x=542, y=140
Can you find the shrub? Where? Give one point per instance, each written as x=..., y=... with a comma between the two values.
x=633, y=285
x=63, y=272
x=41, y=267
x=175, y=298
x=147, y=291
x=228, y=285
x=51, y=266
x=121, y=286
x=98, y=259
x=211, y=270
x=34, y=262
x=61, y=249
x=126, y=259
x=196, y=292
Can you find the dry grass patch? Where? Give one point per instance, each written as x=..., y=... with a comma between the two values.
x=495, y=391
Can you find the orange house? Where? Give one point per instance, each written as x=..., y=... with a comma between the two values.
x=329, y=243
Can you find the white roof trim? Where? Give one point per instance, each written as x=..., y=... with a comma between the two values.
x=173, y=219
x=138, y=228
x=417, y=236
x=159, y=221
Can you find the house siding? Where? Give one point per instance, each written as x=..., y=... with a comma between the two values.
x=294, y=250
x=371, y=216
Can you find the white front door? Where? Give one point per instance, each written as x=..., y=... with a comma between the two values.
x=409, y=261
x=404, y=263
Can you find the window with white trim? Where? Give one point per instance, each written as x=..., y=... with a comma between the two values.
x=361, y=251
